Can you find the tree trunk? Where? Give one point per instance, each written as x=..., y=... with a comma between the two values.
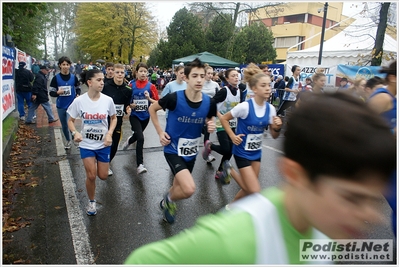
x=379, y=38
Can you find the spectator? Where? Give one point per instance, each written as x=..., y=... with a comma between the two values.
x=40, y=96
x=35, y=68
x=343, y=84
x=23, y=85
x=78, y=69
x=279, y=87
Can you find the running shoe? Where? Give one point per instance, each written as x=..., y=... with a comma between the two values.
x=126, y=144
x=91, y=208
x=22, y=118
x=219, y=175
x=110, y=172
x=226, y=172
x=53, y=121
x=141, y=169
x=68, y=145
x=169, y=209
x=210, y=158
x=207, y=149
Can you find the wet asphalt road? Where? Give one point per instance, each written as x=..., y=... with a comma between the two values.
x=128, y=204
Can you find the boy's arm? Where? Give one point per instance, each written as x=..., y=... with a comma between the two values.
x=209, y=242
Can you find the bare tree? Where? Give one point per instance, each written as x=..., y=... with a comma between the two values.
x=208, y=10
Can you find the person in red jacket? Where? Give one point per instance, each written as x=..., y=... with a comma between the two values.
x=143, y=94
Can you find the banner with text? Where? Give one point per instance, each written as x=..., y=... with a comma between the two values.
x=8, y=93
x=308, y=71
x=354, y=72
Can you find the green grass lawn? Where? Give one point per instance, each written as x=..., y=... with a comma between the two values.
x=8, y=125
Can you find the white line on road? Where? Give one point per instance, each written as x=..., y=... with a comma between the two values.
x=58, y=142
x=274, y=149
x=80, y=237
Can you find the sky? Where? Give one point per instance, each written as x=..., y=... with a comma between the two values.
x=165, y=10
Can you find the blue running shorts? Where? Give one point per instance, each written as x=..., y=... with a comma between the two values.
x=102, y=155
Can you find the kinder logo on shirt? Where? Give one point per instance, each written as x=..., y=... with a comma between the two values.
x=89, y=118
x=96, y=116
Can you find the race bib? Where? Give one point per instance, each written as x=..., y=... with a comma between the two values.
x=141, y=104
x=233, y=123
x=94, y=132
x=188, y=147
x=253, y=142
x=119, y=110
x=67, y=90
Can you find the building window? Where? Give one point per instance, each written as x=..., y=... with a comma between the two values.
x=274, y=21
x=295, y=18
x=280, y=42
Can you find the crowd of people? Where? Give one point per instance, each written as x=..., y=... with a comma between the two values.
x=321, y=159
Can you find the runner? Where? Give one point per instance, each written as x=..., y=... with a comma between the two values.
x=65, y=86
x=331, y=187
x=372, y=84
x=319, y=81
x=109, y=72
x=253, y=116
x=120, y=93
x=176, y=85
x=291, y=90
x=210, y=88
x=226, y=98
x=384, y=102
x=143, y=95
x=189, y=110
x=95, y=138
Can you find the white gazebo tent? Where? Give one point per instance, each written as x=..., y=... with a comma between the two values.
x=352, y=46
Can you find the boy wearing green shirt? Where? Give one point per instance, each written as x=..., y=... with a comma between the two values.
x=338, y=157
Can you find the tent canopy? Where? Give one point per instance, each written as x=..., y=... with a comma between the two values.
x=211, y=59
x=352, y=43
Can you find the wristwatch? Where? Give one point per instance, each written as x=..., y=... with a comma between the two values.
x=73, y=133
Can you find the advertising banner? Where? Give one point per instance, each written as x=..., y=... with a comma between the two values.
x=354, y=72
x=8, y=91
x=308, y=71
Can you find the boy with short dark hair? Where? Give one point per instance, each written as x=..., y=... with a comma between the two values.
x=333, y=178
x=109, y=72
x=189, y=110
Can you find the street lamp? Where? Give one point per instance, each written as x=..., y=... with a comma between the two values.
x=323, y=28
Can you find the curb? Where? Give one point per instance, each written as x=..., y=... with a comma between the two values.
x=9, y=139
